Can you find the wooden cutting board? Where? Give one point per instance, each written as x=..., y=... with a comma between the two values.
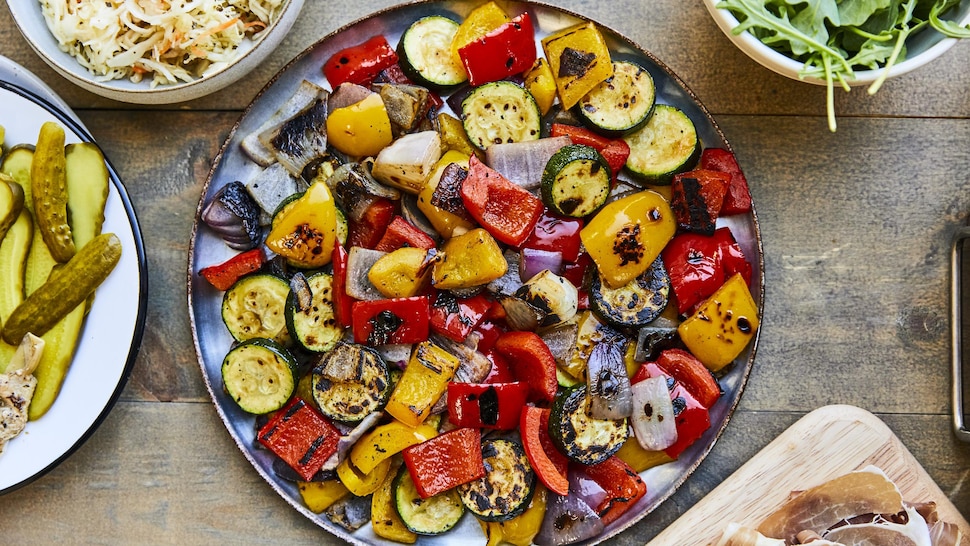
x=825, y=444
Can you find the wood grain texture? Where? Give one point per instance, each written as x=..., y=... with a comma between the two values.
x=856, y=228
x=825, y=444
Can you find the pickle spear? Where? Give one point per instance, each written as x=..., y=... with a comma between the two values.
x=48, y=181
x=11, y=203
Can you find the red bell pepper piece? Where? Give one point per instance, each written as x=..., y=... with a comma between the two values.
x=301, y=436
x=486, y=405
x=557, y=233
x=699, y=264
x=401, y=233
x=696, y=199
x=506, y=210
x=506, y=51
x=369, y=230
x=691, y=417
x=501, y=372
x=445, y=461
x=692, y=374
x=622, y=484
x=614, y=151
x=454, y=317
x=532, y=362
x=738, y=198
x=487, y=331
x=224, y=275
x=732, y=257
x=342, y=303
x=549, y=464
x=361, y=63
x=397, y=320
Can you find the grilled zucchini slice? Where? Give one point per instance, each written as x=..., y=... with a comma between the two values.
x=431, y=516
x=260, y=375
x=507, y=486
x=315, y=328
x=351, y=382
x=621, y=104
x=581, y=437
x=500, y=112
x=255, y=306
x=635, y=304
x=667, y=145
x=576, y=181
x=425, y=53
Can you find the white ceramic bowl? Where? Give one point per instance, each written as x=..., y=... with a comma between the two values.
x=30, y=20
x=922, y=47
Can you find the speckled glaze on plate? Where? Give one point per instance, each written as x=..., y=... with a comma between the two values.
x=113, y=329
x=213, y=341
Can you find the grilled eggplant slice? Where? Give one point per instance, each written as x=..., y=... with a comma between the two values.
x=351, y=382
x=507, y=487
x=577, y=434
x=635, y=304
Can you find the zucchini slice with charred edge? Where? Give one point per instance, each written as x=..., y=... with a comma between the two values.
x=500, y=112
x=425, y=53
x=580, y=437
x=621, y=104
x=637, y=303
x=667, y=145
x=507, y=486
x=255, y=306
x=576, y=181
x=314, y=328
x=259, y=374
x=431, y=516
x=350, y=382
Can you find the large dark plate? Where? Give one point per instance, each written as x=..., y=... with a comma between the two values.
x=212, y=340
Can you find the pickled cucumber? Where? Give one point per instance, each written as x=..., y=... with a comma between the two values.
x=48, y=182
x=11, y=203
x=13, y=258
x=87, y=190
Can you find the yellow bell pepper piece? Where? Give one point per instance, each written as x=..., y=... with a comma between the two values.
x=425, y=379
x=579, y=59
x=470, y=259
x=361, y=129
x=627, y=235
x=723, y=325
x=358, y=482
x=477, y=24
x=318, y=496
x=384, y=518
x=444, y=222
x=541, y=82
x=402, y=273
x=306, y=233
x=386, y=440
x=640, y=459
x=453, y=136
x=522, y=529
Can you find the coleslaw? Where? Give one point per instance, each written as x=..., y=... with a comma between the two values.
x=166, y=40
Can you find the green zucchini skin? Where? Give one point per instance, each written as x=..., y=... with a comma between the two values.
x=636, y=304
x=260, y=375
x=255, y=306
x=507, y=487
x=424, y=53
x=576, y=181
x=621, y=104
x=500, y=112
x=665, y=146
x=580, y=437
x=431, y=516
x=314, y=328
x=350, y=382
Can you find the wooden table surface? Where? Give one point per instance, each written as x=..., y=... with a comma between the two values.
x=856, y=228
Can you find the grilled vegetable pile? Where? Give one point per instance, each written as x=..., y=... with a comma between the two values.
x=480, y=275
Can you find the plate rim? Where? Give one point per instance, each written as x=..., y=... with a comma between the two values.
x=747, y=365
x=139, y=327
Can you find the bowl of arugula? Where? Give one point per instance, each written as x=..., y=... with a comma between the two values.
x=845, y=44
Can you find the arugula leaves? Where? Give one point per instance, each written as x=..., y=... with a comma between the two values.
x=835, y=37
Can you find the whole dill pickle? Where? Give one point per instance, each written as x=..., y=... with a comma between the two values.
x=65, y=289
x=48, y=180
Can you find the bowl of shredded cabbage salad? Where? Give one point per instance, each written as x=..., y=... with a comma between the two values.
x=842, y=43
x=154, y=51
